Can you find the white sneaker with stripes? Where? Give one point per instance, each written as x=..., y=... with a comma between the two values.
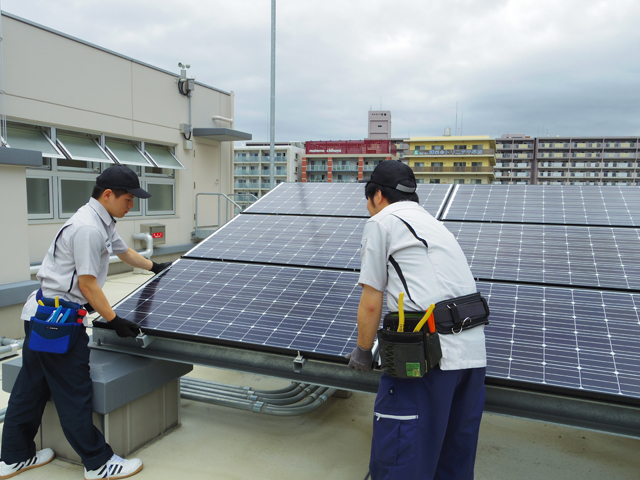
x=40, y=458
x=116, y=467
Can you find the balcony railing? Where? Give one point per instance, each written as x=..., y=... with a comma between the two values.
x=368, y=168
x=586, y=154
x=552, y=164
x=316, y=180
x=316, y=168
x=587, y=145
x=240, y=171
x=245, y=185
x=586, y=164
x=345, y=168
x=453, y=169
x=251, y=159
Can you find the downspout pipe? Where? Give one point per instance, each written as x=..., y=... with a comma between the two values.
x=147, y=253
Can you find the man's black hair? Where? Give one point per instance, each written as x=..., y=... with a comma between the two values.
x=98, y=191
x=391, y=194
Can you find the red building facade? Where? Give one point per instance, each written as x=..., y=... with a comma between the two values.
x=344, y=161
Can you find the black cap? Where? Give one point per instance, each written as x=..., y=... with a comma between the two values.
x=122, y=178
x=389, y=173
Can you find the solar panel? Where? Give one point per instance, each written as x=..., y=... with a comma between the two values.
x=289, y=240
x=603, y=257
x=580, y=339
x=255, y=306
x=335, y=199
x=580, y=205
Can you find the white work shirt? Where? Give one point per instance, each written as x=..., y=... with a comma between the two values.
x=82, y=247
x=432, y=274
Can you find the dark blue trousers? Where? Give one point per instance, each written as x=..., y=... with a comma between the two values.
x=427, y=428
x=66, y=379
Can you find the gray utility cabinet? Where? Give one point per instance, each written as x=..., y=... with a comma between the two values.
x=135, y=400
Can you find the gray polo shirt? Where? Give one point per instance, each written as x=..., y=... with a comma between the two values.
x=436, y=273
x=81, y=247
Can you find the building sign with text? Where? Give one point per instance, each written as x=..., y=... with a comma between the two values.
x=448, y=152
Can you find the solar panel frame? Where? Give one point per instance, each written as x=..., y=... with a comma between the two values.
x=549, y=204
x=328, y=242
x=336, y=199
x=604, y=257
x=584, y=341
x=260, y=307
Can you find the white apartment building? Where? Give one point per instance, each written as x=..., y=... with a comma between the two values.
x=252, y=166
x=567, y=160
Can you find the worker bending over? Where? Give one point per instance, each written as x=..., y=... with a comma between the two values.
x=424, y=427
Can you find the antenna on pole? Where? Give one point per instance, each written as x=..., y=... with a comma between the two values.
x=456, y=118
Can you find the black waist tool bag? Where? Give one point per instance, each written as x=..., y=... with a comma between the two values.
x=55, y=326
x=412, y=353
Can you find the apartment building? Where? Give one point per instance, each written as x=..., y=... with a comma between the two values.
x=567, y=160
x=344, y=161
x=252, y=166
x=452, y=159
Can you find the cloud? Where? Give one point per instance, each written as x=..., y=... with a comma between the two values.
x=570, y=67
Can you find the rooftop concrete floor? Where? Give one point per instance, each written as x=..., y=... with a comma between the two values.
x=333, y=442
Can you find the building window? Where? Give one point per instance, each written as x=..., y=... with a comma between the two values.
x=39, y=198
x=434, y=180
x=458, y=181
x=476, y=164
x=162, y=199
x=438, y=147
x=460, y=147
x=74, y=194
x=478, y=147
x=459, y=164
x=437, y=164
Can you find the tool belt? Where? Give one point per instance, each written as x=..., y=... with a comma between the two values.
x=55, y=326
x=461, y=313
x=408, y=354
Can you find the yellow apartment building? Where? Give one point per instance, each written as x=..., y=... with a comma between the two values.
x=452, y=159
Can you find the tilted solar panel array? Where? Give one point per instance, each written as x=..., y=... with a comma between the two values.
x=565, y=205
x=559, y=266
x=282, y=276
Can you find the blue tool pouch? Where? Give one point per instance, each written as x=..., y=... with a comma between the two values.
x=55, y=326
x=52, y=337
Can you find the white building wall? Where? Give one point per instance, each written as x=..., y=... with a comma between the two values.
x=53, y=80
x=56, y=81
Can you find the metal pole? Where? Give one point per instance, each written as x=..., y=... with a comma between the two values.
x=273, y=97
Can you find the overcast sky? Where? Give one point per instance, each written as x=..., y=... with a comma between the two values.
x=538, y=67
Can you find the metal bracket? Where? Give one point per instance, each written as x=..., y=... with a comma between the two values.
x=145, y=339
x=298, y=363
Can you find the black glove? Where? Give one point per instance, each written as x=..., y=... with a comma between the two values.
x=360, y=359
x=158, y=267
x=123, y=327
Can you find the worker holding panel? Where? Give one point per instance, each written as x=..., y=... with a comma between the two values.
x=55, y=360
x=431, y=397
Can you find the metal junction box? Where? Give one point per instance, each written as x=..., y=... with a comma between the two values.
x=156, y=230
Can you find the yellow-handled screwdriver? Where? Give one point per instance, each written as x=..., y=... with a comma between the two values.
x=401, y=312
x=425, y=318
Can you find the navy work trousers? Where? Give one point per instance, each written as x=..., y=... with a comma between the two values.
x=427, y=428
x=66, y=379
